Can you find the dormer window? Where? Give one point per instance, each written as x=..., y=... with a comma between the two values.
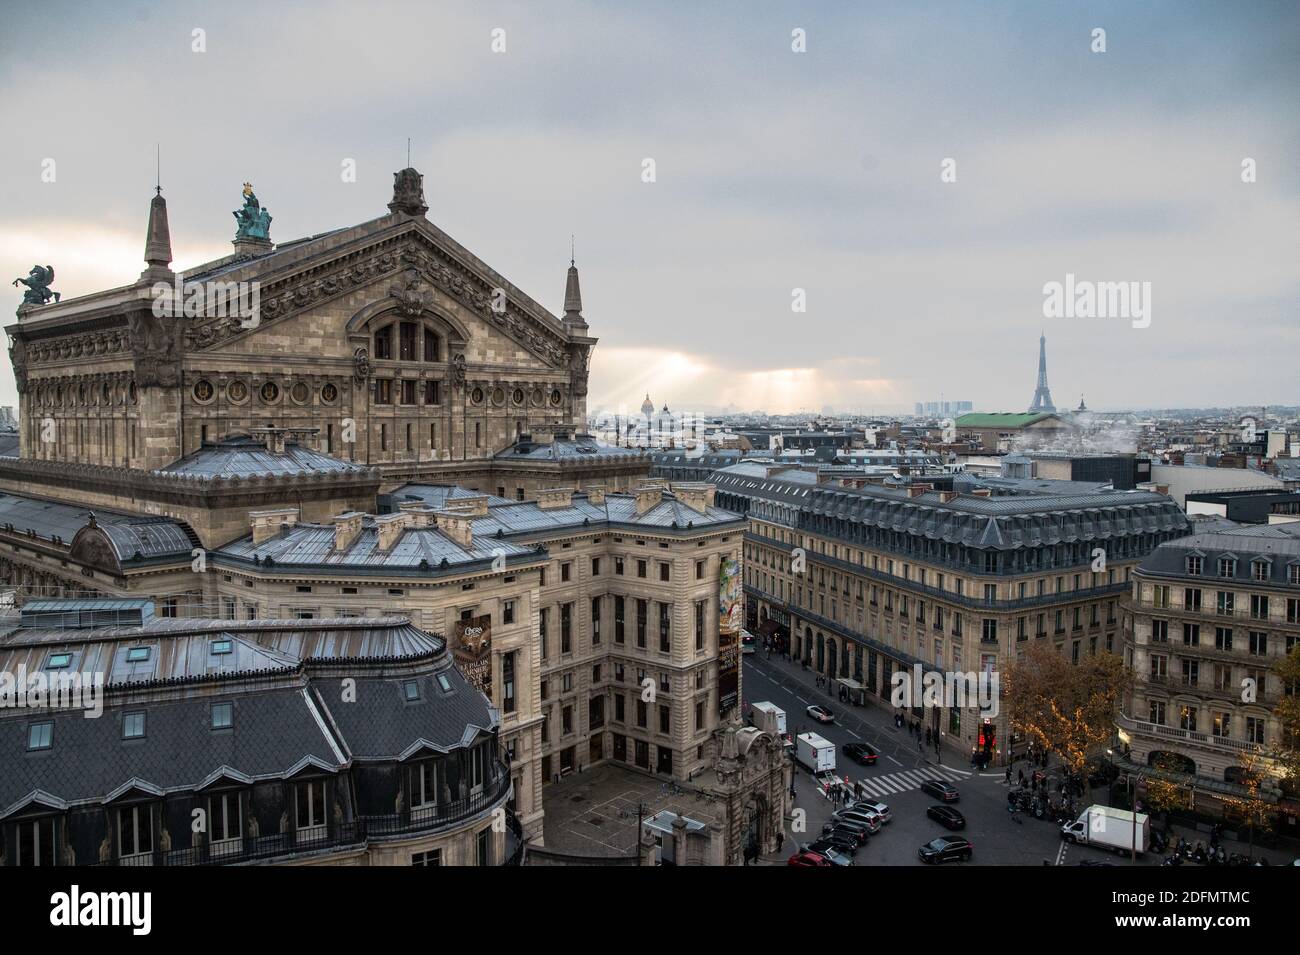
x=221, y=647
x=223, y=716
x=1227, y=567
x=137, y=655
x=58, y=661
x=1193, y=566
x=411, y=690
x=40, y=735
x=444, y=683
x=1261, y=569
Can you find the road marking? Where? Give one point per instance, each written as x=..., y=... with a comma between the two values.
x=892, y=760
x=854, y=735
x=905, y=781
x=1060, y=856
x=800, y=699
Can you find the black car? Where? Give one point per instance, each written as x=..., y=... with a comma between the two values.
x=853, y=829
x=944, y=792
x=863, y=753
x=842, y=841
x=946, y=848
x=947, y=817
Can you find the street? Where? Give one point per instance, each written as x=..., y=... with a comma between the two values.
x=896, y=778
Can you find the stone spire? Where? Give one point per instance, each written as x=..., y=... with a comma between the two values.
x=572, y=296
x=158, y=241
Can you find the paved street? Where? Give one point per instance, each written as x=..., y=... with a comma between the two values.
x=896, y=779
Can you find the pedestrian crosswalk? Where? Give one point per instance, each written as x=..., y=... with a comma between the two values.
x=906, y=780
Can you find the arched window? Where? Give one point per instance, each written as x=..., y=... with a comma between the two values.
x=432, y=351
x=384, y=343
x=406, y=343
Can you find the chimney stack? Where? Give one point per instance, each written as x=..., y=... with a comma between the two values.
x=553, y=498
x=647, y=496
x=698, y=496
x=347, y=527
x=390, y=528
x=266, y=524
x=596, y=494
x=458, y=527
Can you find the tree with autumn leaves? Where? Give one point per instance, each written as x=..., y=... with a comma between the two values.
x=1287, y=712
x=1066, y=708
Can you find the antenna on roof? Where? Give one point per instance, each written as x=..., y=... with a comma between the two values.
x=158, y=168
x=571, y=259
x=408, y=152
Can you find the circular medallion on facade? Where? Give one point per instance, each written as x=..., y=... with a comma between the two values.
x=498, y=396
x=476, y=396
x=538, y=397
x=203, y=391
x=329, y=393
x=555, y=396
x=237, y=391
x=299, y=392
x=517, y=396
x=269, y=392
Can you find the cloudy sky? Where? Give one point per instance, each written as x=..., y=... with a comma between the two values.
x=774, y=171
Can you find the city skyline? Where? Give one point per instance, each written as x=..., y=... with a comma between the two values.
x=761, y=189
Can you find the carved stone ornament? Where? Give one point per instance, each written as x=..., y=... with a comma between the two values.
x=408, y=193
x=155, y=344
x=413, y=295
x=458, y=371
x=361, y=364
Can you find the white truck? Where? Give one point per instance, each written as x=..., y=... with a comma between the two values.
x=1118, y=830
x=770, y=718
x=814, y=753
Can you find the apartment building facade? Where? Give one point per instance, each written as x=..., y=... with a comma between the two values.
x=1213, y=615
x=876, y=580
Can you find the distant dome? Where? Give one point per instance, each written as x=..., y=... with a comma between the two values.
x=647, y=406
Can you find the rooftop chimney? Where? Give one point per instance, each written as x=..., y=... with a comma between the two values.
x=347, y=527
x=390, y=528
x=946, y=496
x=556, y=497
x=647, y=496
x=418, y=514
x=596, y=494
x=475, y=506
x=981, y=492
x=266, y=524
x=458, y=527
x=696, y=496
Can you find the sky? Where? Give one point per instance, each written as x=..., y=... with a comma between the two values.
x=780, y=178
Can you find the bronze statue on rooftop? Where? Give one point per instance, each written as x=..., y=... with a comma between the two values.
x=38, y=285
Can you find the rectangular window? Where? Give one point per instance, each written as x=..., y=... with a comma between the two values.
x=133, y=725
x=641, y=611
x=223, y=715
x=699, y=624
x=665, y=628
x=541, y=629
x=663, y=572
x=1258, y=607
x=619, y=621
x=508, y=612
x=383, y=391
x=1159, y=631
x=508, y=682
x=595, y=620
x=432, y=393
x=134, y=831
x=40, y=735
x=566, y=628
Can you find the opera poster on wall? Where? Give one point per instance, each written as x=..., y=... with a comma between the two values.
x=731, y=610
x=472, y=652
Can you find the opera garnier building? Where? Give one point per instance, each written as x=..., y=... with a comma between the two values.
x=323, y=523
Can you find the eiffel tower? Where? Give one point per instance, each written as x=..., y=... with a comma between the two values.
x=1043, y=394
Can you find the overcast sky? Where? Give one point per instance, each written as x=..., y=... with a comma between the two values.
x=775, y=171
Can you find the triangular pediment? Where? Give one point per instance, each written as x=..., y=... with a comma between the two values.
x=402, y=260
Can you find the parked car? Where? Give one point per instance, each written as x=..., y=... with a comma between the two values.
x=820, y=713
x=855, y=829
x=947, y=817
x=808, y=858
x=862, y=817
x=833, y=854
x=944, y=792
x=862, y=753
x=843, y=841
x=879, y=808
x=946, y=848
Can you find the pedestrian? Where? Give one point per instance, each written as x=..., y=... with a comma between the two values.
x=1008, y=775
x=920, y=748
x=1022, y=779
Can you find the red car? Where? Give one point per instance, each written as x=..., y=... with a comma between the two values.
x=808, y=858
